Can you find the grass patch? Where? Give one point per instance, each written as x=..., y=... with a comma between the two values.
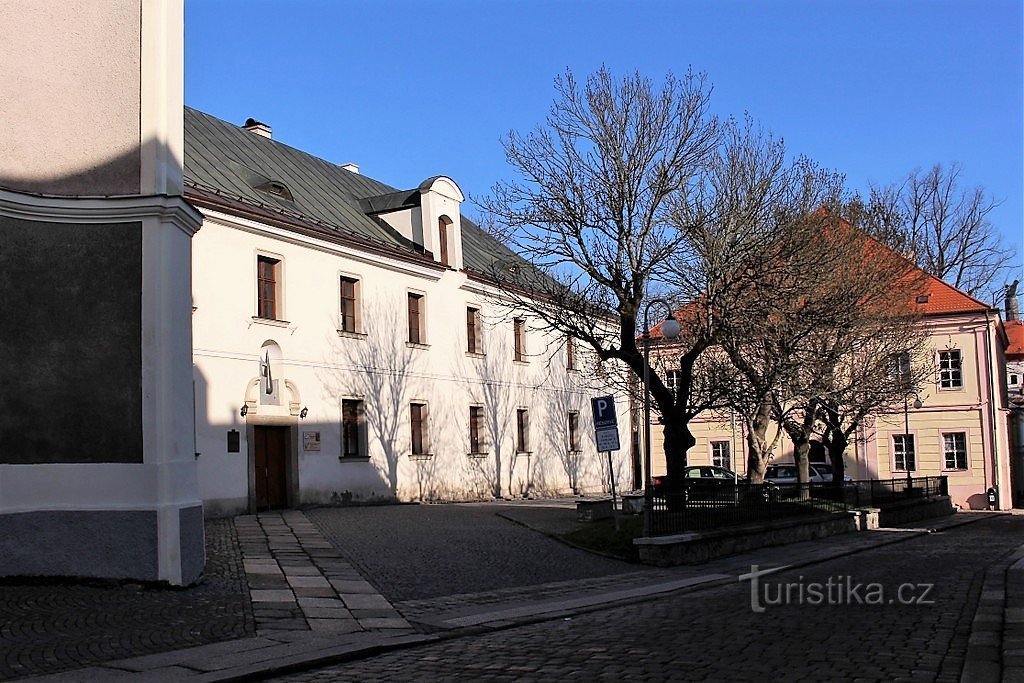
x=601, y=537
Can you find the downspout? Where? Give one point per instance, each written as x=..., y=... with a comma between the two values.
x=992, y=409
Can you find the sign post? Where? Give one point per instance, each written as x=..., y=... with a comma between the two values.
x=606, y=433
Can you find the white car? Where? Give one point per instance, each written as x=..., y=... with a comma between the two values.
x=786, y=473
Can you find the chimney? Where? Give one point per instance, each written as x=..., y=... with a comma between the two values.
x=1011, y=304
x=258, y=128
x=354, y=168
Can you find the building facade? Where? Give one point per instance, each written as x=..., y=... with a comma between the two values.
x=349, y=346
x=961, y=429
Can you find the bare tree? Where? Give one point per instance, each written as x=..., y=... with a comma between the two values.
x=594, y=211
x=862, y=314
x=942, y=225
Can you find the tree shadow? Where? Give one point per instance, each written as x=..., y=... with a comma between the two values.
x=377, y=367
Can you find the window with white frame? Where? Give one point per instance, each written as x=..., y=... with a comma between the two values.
x=477, y=446
x=419, y=428
x=416, y=305
x=352, y=429
x=904, y=455
x=720, y=455
x=519, y=339
x=950, y=369
x=901, y=370
x=349, y=304
x=268, y=288
x=473, y=330
x=574, y=432
x=673, y=380
x=522, y=430
x=954, y=450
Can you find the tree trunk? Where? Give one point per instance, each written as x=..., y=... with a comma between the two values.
x=836, y=442
x=678, y=441
x=757, y=443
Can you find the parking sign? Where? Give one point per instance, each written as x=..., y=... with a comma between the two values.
x=606, y=425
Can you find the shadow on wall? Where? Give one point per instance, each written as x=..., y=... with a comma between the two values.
x=118, y=175
x=376, y=367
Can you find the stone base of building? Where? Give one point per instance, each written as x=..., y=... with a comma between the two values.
x=104, y=544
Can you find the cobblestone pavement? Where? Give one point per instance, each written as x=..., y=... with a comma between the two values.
x=48, y=626
x=414, y=552
x=713, y=634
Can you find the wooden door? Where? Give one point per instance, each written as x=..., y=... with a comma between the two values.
x=271, y=446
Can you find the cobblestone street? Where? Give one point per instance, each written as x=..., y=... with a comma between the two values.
x=713, y=634
x=49, y=626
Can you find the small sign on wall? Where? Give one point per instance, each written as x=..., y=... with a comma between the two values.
x=233, y=441
x=310, y=441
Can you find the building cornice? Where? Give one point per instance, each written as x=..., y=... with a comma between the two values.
x=171, y=209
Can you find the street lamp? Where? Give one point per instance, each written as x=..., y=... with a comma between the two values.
x=669, y=330
x=906, y=433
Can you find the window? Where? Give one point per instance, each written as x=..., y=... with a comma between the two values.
x=418, y=418
x=519, y=328
x=349, y=304
x=442, y=238
x=950, y=372
x=1014, y=380
x=267, y=276
x=673, y=380
x=720, y=456
x=473, y=330
x=574, y=432
x=903, y=449
x=522, y=431
x=954, y=447
x=476, y=431
x=570, y=353
x=901, y=370
x=416, y=335
x=352, y=429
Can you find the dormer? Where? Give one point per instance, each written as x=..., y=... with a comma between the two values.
x=428, y=216
x=440, y=211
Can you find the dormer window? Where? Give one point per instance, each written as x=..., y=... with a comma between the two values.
x=276, y=188
x=443, y=234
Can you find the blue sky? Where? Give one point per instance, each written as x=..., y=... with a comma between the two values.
x=407, y=90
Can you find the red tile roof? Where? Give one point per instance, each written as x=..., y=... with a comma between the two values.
x=944, y=298
x=1015, y=333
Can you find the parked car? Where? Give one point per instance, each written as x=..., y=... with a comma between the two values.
x=786, y=473
x=712, y=483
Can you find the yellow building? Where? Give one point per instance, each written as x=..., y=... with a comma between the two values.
x=961, y=430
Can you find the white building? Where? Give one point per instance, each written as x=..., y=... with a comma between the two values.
x=349, y=347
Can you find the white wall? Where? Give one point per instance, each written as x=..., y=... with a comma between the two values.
x=378, y=366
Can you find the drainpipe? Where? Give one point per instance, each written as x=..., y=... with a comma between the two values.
x=992, y=408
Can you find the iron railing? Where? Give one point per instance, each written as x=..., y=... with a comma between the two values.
x=709, y=504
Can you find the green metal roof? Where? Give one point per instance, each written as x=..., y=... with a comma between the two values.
x=225, y=164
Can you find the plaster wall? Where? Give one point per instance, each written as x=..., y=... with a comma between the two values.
x=966, y=409
x=71, y=120
x=320, y=366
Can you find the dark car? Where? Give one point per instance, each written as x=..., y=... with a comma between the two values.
x=711, y=483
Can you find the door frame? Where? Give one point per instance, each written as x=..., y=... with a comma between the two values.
x=291, y=456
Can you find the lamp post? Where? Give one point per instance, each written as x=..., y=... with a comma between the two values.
x=669, y=330
x=906, y=433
